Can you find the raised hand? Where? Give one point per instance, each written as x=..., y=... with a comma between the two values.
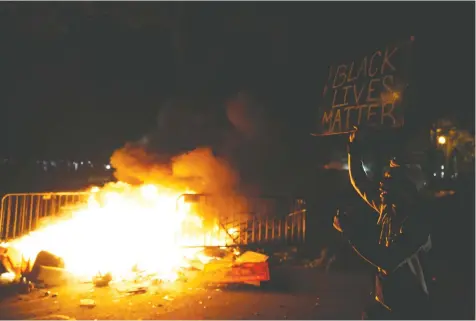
x=336, y=223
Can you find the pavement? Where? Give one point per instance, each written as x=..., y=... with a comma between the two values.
x=297, y=294
x=294, y=294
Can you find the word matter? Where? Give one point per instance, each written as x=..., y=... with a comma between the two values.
x=365, y=91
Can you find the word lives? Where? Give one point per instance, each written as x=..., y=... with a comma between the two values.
x=366, y=91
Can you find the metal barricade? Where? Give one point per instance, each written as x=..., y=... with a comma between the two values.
x=256, y=220
x=246, y=221
x=21, y=213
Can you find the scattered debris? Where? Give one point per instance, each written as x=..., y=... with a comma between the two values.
x=11, y=264
x=87, y=303
x=137, y=290
x=251, y=257
x=130, y=287
x=324, y=261
x=8, y=278
x=52, y=276
x=221, y=268
x=55, y=317
x=102, y=280
x=250, y=268
x=45, y=258
x=25, y=286
x=42, y=260
x=156, y=281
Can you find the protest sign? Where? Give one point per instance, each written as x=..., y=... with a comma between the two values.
x=370, y=90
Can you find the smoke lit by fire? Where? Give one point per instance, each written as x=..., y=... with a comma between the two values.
x=140, y=222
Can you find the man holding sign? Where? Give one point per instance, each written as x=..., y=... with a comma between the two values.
x=399, y=251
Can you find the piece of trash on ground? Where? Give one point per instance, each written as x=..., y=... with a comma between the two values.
x=87, y=303
x=251, y=257
x=250, y=267
x=55, y=317
x=102, y=280
x=137, y=290
x=52, y=276
x=129, y=288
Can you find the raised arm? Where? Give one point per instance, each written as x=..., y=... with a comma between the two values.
x=359, y=180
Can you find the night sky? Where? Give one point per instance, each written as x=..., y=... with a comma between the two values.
x=80, y=79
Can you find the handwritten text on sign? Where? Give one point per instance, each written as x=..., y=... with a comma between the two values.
x=368, y=90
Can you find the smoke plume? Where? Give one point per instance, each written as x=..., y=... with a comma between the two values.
x=198, y=170
x=181, y=153
x=246, y=116
x=200, y=147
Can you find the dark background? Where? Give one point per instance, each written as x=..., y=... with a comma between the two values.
x=78, y=80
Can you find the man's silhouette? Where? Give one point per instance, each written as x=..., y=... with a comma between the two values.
x=399, y=248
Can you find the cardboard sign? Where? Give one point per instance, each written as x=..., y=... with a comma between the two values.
x=369, y=90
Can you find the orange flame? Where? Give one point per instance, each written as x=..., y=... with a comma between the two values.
x=124, y=227
x=141, y=222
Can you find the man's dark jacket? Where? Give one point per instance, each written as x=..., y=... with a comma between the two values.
x=401, y=284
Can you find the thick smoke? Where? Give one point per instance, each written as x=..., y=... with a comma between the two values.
x=181, y=154
x=218, y=142
x=247, y=117
x=198, y=170
x=214, y=175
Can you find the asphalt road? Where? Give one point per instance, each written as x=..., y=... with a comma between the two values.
x=300, y=293
x=304, y=295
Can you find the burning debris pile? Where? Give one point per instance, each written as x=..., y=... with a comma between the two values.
x=139, y=227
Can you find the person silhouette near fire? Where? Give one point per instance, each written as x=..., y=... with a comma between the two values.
x=399, y=250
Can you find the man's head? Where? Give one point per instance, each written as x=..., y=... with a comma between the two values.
x=400, y=184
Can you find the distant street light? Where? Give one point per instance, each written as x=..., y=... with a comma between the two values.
x=442, y=140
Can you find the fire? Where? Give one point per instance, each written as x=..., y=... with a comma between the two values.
x=124, y=227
